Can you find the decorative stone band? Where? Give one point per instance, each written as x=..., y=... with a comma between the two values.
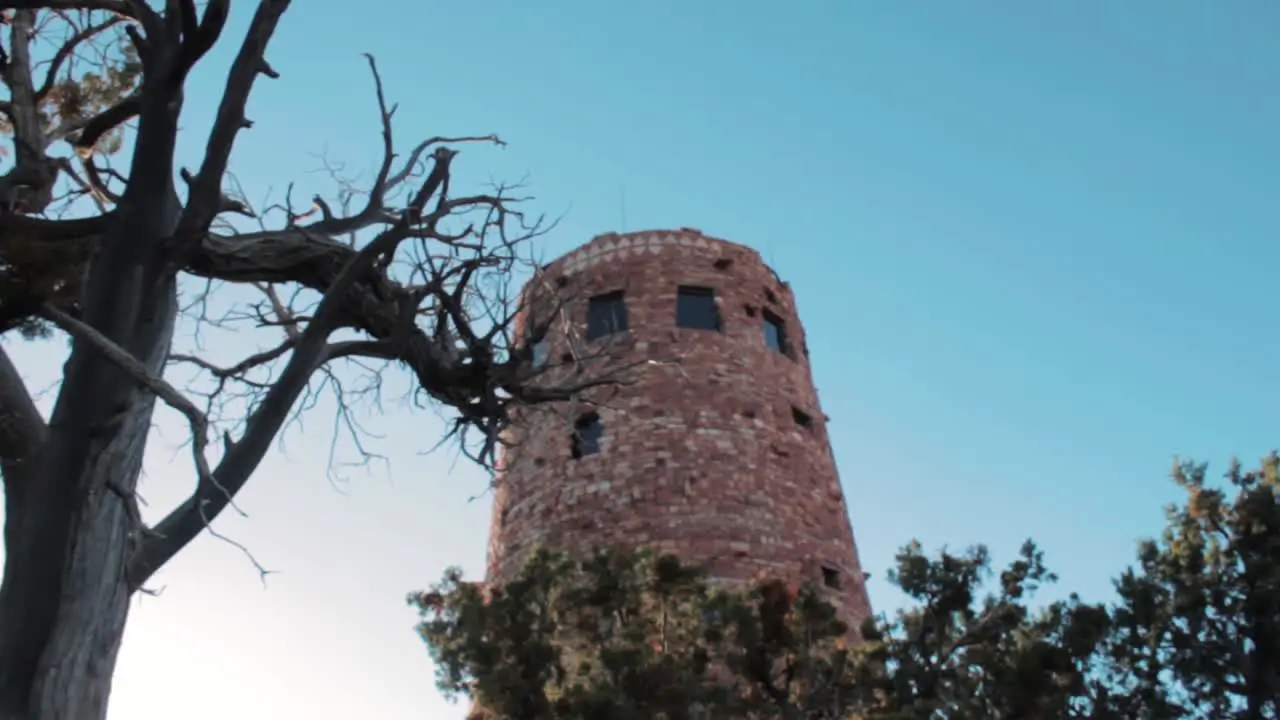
x=612, y=247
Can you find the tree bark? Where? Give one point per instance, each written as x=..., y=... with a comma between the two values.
x=57, y=659
x=71, y=509
x=28, y=186
x=72, y=521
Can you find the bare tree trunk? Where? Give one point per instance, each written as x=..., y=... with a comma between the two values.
x=71, y=511
x=56, y=661
x=72, y=522
x=73, y=678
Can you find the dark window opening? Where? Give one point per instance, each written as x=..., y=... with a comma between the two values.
x=587, y=433
x=606, y=315
x=802, y=418
x=768, y=295
x=722, y=264
x=775, y=333
x=831, y=577
x=696, y=308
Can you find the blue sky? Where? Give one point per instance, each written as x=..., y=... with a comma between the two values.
x=1033, y=244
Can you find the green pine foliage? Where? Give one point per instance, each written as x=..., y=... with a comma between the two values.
x=1193, y=633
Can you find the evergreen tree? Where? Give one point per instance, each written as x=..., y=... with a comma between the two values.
x=1192, y=634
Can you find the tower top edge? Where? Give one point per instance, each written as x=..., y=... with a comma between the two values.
x=606, y=243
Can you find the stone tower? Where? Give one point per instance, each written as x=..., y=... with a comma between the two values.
x=717, y=449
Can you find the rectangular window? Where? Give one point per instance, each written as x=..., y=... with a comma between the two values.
x=587, y=434
x=831, y=577
x=775, y=333
x=696, y=308
x=606, y=315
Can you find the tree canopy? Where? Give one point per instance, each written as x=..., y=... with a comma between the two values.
x=1191, y=633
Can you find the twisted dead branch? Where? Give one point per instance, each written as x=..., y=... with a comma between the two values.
x=405, y=273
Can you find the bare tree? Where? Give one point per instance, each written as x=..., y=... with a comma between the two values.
x=410, y=275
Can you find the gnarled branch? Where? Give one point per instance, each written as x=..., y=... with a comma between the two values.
x=206, y=187
x=242, y=457
x=410, y=292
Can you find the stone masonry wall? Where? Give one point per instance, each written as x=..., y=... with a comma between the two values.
x=702, y=453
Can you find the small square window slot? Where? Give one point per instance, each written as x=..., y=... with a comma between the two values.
x=831, y=577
